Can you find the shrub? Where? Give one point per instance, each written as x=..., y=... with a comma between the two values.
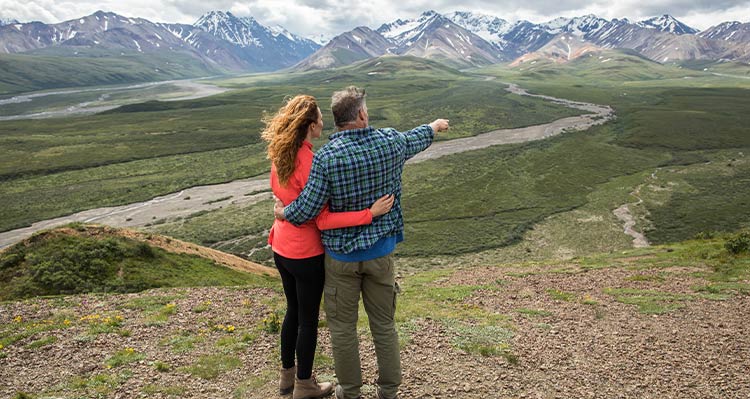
x=705, y=235
x=11, y=259
x=738, y=243
x=144, y=250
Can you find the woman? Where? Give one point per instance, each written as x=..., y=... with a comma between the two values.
x=298, y=250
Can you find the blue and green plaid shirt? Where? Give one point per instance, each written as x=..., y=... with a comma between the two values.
x=351, y=172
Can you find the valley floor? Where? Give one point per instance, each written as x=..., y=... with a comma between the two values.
x=649, y=323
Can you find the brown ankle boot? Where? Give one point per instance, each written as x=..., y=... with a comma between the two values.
x=310, y=389
x=286, y=380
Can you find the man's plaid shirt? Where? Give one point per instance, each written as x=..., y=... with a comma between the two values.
x=351, y=172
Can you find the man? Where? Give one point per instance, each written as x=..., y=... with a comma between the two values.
x=359, y=165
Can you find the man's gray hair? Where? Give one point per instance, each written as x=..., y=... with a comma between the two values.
x=345, y=105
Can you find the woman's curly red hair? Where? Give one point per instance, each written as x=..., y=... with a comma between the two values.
x=286, y=131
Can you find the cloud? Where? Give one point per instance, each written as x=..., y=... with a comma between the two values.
x=331, y=17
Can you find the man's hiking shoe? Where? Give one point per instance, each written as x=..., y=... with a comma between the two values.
x=340, y=393
x=310, y=389
x=382, y=396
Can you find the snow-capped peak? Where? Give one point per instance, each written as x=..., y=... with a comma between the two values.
x=487, y=27
x=225, y=25
x=321, y=39
x=8, y=21
x=400, y=31
x=578, y=26
x=667, y=23
x=278, y=30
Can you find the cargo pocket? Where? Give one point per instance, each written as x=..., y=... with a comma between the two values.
x=329, y=304
x=396, y=291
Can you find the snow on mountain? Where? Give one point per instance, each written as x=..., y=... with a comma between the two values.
x=357, y=44
x=321, y=39
x=667, y=23
x=579, y=26
x=401, y=32
x=733, y=31
x=245, y=31
x=7, y=21
x=488, y=27
x=218, y=38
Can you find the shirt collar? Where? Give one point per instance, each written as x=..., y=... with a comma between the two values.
x=353, y=132
x=307, y=144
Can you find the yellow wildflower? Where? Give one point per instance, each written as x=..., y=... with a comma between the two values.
x=129, y=351
x=230, y=328
x=18, y=319
x=1, y=347
x=66, y=322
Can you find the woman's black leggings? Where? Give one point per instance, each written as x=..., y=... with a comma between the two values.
x=303, y=281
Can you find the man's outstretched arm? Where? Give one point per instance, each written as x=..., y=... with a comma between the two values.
x=419, y=138
x=313, y=197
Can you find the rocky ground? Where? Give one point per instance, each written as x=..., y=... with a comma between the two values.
x=565, y=334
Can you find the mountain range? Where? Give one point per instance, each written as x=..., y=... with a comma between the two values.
x=218, y=39
x=465, y=39
x=223, y=42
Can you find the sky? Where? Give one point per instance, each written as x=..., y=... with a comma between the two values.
x=312, y=18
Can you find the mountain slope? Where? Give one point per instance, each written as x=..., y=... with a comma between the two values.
x=563, y=48
x=667, y=23
x=46, y=69
x=437, y=37
x=346, y=48
x=728, y=31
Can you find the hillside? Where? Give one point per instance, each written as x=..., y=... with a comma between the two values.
x=91, y=258
x=666, y=321
x=49, y=70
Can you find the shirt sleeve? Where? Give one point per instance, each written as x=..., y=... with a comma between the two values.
x=418, y=139
x=327, y=220
x=312, y=198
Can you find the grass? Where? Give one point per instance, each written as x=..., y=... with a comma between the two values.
x=99, y=385
x=533, y=312
x=210, y=366
x=162, y=367
x=183, y=343
x=20, y=329
x=649, y=301
x=221, y=228
x=150, y=303
x=123, y=357
x=559, y=295
x=166, y=390
x=484, y=340
x=253, y=383
x=42, y=342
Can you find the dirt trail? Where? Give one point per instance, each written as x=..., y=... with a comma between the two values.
x=623, y=213
x=211, y=197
